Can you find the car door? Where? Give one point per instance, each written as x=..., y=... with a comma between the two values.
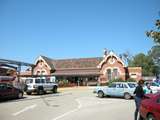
x=6, y=91
x=111, y=89
x=157, y=108
x=119, y=90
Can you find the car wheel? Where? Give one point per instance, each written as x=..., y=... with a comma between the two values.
x=150, y=117
x=20, y=95
x=127, y=96
x=40, y=92
x=29, y=93
x=100, y=94
x=54, y=89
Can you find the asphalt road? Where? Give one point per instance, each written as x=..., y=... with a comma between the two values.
x=73, y=104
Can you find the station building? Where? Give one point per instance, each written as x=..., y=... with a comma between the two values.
x=86, y=71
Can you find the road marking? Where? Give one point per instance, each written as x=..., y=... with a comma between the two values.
x=25, y=109
x=69, y=112
x=91, y=102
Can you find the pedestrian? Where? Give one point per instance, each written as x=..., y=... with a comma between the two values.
x=139, y=94
x=147, y=89
x=157, y=80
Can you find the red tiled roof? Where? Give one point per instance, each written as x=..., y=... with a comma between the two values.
x=79, y=66
x=73, y=63
x=77, y=63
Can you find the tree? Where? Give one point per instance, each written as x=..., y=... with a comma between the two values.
x=126, y=56
x=144, y=61
x=155, y=34
x=154, y=53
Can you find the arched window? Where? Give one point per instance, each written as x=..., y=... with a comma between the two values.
x=109, y=74
x=115, y=73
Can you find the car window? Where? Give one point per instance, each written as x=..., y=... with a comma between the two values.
x=9, y=86
x=125, y=86
x=154, y=84
x=37, y=80
x=29, y=81
x=132, y=85
x=119, y=85
x=112, y=85
x=3, y=86
x=42, y=80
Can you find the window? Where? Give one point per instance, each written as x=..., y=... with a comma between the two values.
x=3, y=86
x=37, y=80
x=42, y=80
x=112, y=85
x=115, y=73
x=119, y=85
x=131, y=85
x=29, y=81
x=154, y=84
x=109, y=74
x=125, y=86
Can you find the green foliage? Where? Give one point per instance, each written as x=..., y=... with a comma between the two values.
x=144, y=61
x=115, y=80
x=130, y=80
x=155, y=34
x=154, y=53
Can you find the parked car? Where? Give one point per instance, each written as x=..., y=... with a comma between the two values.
x=39, y=85
x=150, y=107
x=8, y=91
x=155, y=87
x=118, y=89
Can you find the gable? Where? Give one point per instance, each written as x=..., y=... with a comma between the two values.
x=111, y=58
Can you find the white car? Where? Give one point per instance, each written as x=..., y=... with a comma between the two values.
x=118, y=89
x=155, y=87
x=39, y=85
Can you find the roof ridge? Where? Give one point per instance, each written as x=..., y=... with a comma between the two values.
x=76, y=58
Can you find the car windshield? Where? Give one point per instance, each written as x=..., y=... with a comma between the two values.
x=132, y=85
x=154, y=84
x=29, y=81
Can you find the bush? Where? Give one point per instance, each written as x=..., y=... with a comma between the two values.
x=131, y=80
x=120, y=80
x=115, y=80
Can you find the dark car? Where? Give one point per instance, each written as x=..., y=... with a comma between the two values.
x=7, y=91
x=150, y=107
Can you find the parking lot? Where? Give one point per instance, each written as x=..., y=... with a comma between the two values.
x=68, y=104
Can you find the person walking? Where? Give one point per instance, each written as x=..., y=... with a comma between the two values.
x=139, y=94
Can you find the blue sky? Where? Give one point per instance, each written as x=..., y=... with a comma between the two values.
x=74, y=28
